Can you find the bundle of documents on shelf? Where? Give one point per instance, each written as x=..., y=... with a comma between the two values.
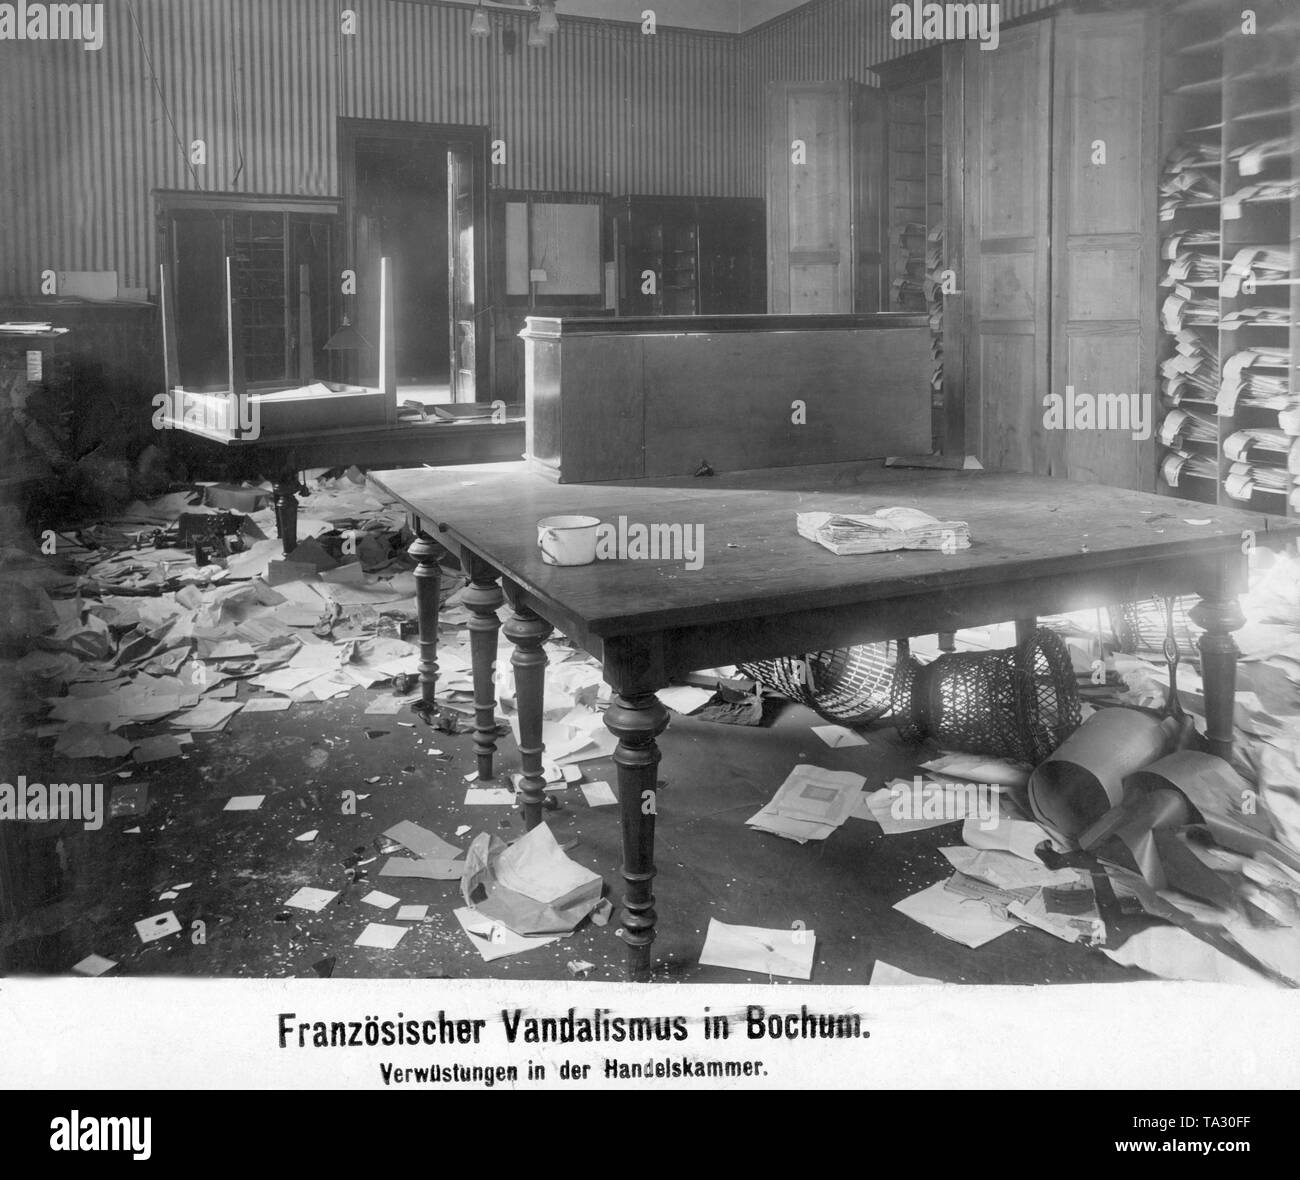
x=881, y=531
x=1193, y=268
x=1190, y=177
x=1255, y=377
x=1267, y=190
x=1257, y=317
x=1258, y=443
x=1245, y=479
x=1263, y=264
x=1192, y=373
x=1250, y=157
x=1188, y=305
x=1177, y=464
x=1201, y=240
x=1182, y=426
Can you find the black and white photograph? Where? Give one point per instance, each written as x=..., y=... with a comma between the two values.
x=651, y=544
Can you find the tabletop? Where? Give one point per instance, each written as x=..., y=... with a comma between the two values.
x=754, y=563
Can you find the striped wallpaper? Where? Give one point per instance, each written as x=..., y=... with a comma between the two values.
x=85, y=136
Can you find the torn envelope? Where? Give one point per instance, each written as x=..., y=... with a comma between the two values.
x=530, y=886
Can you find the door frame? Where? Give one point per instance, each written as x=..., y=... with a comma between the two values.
x=438, y=136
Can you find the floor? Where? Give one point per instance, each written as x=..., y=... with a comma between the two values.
x=83, y=891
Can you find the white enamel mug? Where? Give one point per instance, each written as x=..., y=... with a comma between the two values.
x=567, y=540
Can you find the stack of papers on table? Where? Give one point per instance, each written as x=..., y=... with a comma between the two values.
x=810, y=804
x=882, y=531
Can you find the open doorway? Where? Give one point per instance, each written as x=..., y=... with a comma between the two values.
x=416, y=194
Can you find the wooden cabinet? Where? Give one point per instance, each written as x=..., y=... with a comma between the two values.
x=628, y=398
x=690, y=256
x=825, y=200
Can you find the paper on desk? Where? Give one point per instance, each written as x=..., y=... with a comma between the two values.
x=207, y=717
x=966, y=921
x=155, y=749
x=1007, y=835
x=886, y=975
x=489, y=797
x=266, y=704
x=684, y=698
x=91, y=741
x=311, y=899
x=810, y=804
x=380, y=936
x=838, y=737
x=425, y=869
x=425, y=844
x=900, y=806
x=1169, y=952
x=494, y=941
x=380, y=900
x=530, y=886
x=1006, y=870
x=788, y=953
x=93, y=965
x=160, y=926
x=244, y=802
x=598, y=794
x=978, y=768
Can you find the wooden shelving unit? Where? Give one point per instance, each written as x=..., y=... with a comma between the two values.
x=1230, y=396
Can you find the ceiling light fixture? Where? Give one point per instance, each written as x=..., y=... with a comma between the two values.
x=536, y=38
x=481, y=25
x=547, y=21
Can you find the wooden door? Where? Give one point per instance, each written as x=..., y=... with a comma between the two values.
x=825, y=160
x=1006, y=246
x=1104, y=233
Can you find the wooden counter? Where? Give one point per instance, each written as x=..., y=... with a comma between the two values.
x=629, y=398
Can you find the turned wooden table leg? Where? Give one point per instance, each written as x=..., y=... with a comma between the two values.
x=1025, y=629
x=286, y=511
x=1220, y=615
x=636, y=720
x=528, y=631
x=428, y=586
x=483, y=597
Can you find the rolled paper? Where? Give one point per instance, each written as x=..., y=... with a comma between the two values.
x=1078, y=784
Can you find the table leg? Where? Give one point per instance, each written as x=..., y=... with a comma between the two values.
x=483, y=597
x=1220, y=615
x=286, y=511
x=636, y=719
x=528, y=631
x=428, y=586
x=1025, y=629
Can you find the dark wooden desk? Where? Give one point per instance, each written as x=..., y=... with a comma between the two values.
x=1038, y=546
x=434, y=443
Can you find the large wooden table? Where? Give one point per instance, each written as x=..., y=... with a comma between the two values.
x=1038, y=546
